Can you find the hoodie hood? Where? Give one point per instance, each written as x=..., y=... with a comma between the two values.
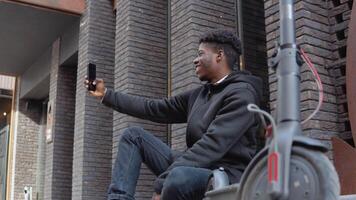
x=236, y=77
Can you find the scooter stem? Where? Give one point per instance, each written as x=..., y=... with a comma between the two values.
x=288, y=73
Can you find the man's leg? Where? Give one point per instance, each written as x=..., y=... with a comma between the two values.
x=136, y=146
x=186, y=183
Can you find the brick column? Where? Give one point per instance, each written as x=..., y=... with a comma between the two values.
x=141, y=68
x=59, y=152
x=340, y=13
x=313, y=34
x=189, y=20
x=254, y=40
x=93, y=121
x=26, y=146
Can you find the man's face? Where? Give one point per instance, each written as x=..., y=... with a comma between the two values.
x=205, y=63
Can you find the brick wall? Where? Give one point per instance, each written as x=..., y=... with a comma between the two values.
x=26, y=146
x=41, y=155
x=141, y=68
x=254, y=43
x=131, y=54
x=339, y=16
x=59, y=153
x=93, y=121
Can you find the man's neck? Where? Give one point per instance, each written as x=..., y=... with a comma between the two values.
x=220, y=76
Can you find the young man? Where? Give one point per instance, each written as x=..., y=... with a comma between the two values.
x=221, y=132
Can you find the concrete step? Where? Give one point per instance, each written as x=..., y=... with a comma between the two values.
x=348, y=197
x=230, y=193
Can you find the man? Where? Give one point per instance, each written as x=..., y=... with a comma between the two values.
x=220, y=130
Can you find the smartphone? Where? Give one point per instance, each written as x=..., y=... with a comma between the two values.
x=91, y=74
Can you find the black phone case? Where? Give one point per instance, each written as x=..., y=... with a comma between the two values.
x=91, y=76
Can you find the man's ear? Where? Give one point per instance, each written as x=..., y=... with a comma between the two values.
x=220, y=55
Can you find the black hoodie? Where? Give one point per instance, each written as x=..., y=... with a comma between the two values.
x=221, y=132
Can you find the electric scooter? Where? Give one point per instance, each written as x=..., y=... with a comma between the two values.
x=290, y=166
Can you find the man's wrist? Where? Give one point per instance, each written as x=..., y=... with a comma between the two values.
x=102, y=98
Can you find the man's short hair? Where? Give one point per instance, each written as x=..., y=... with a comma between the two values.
x=228, y=42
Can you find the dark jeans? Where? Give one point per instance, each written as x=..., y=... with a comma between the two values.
x=137, y=146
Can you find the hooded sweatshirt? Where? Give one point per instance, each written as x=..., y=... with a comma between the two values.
x=220, y=132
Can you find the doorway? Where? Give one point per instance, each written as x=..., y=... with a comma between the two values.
x=7, y=86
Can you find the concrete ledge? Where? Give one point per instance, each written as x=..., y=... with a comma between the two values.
x=348, y=197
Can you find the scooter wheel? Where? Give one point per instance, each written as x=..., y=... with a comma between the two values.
x=312, y=177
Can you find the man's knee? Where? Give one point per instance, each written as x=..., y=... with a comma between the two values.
x=186, y=181
x=132, y=133
x=176, y=180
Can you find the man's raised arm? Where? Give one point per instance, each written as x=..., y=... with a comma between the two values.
x=165, y=110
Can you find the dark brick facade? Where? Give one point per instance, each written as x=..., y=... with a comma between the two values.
x=141, y=68
x=93, y=121
x=59, y=152
x=254, y=42
x=147, y=48
x=340, y=13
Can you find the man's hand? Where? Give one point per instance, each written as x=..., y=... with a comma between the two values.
x=100, y=88
x=156, y=196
